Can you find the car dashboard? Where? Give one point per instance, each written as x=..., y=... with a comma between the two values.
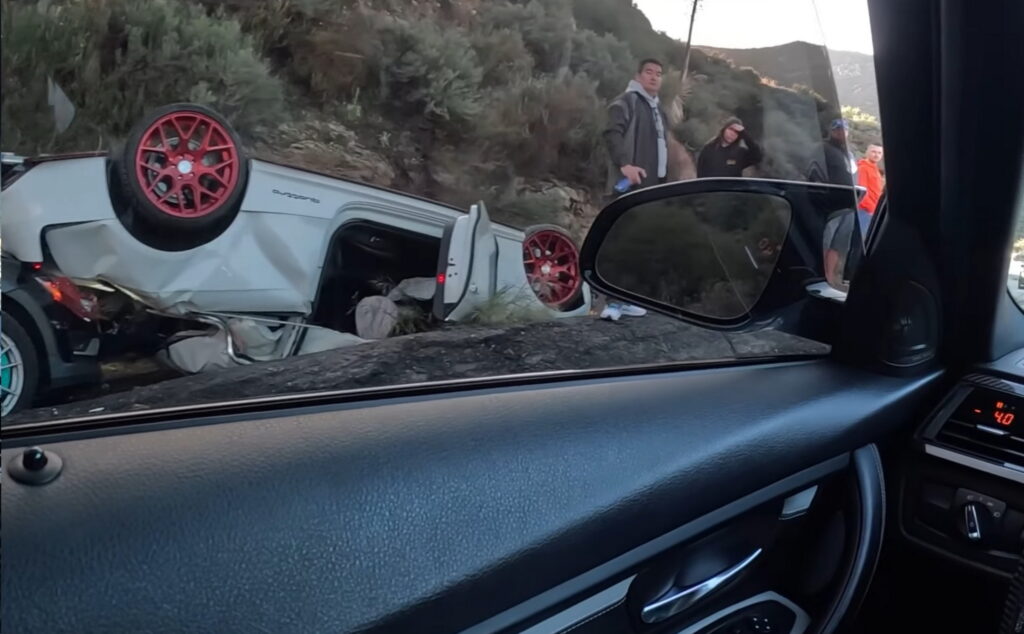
x=961, y=496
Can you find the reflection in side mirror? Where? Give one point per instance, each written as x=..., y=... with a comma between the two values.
x=709, y=254
x=840, y=244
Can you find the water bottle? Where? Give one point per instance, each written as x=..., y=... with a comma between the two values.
x=623, y=186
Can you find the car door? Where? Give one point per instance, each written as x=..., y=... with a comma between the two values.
x=467, y=266
x=687, y=495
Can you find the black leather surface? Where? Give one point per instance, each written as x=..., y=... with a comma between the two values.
x=870, y=480
x=421, y=515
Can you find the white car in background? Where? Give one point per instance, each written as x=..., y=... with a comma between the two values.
x=1017, y=269
x=183, y=226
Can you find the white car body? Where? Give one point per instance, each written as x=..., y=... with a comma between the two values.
x=268, y=261
x=267, y=266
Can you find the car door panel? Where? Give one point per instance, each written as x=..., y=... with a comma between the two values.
x=467, y=265
x=433, y=513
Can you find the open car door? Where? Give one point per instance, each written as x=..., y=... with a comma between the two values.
x=467, y=265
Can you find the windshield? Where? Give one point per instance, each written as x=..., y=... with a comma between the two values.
x=299, y=196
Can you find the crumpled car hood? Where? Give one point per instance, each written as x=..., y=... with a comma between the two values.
x=260, y=264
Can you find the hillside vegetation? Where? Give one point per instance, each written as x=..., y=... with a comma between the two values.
x=457, y=100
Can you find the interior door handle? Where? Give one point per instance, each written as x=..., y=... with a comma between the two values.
x=675, y=601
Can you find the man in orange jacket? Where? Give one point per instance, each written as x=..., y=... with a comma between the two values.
x=869, y=177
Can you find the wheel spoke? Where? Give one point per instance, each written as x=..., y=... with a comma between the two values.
x=182, y=141
x=170, y=192
x=225, y=163
x=16, y=364
x=204, y=144
x=218, y=177
x=163, y=137
x=192, y=130
x=159, y=180
x=166, y=171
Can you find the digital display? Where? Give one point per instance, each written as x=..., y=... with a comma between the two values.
x=997, y=410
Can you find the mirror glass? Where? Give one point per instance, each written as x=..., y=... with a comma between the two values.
x=709, y=254
x=838, y=242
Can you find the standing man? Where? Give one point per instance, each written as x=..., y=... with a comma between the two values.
x=636, y=136
x=637, y=142
x=869, y=177
x=840, y=165
x=729, y=153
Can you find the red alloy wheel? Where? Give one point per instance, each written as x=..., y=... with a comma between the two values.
x=552, y=264
x=186, y=164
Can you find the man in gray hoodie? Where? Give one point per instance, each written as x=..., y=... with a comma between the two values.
x=637, y=141
x=636, y=136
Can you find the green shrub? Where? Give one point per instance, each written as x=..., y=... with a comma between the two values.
x=116, y=59
x=548, y=127
x=546, y=29
x=331, y=61
x=604, y=59
x=624, y=21
x=425, y=69
x=503, y=56
x=529, y=208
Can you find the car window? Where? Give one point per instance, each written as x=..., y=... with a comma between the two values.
x=1015, y=278
x=208, y=201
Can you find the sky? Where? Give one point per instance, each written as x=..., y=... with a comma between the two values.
x=842, y=25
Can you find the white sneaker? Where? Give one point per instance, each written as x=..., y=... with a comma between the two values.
x=612, y=312
x=629, y=310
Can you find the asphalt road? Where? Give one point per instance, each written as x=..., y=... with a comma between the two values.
x=458, y=352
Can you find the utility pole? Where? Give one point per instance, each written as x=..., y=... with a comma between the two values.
x=689, y=39
x=676, y=110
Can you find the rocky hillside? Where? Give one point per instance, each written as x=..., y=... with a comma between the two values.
x=456, y=100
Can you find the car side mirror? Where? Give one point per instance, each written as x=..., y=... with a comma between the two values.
x=720, y=252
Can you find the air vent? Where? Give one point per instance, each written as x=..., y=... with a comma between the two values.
x=988, y=422
x=982, y=441
x=989, y=381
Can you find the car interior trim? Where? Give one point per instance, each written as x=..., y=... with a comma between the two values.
x=870, y=481
x=564, y=591
x=799, y=627
x=589, y=607
x=20, y=435
x=1003, y=471
x=797, y=504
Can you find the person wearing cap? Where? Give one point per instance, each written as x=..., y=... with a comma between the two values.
x=730, y=152
x=840, y=163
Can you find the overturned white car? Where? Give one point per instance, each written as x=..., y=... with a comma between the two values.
x=188, y=228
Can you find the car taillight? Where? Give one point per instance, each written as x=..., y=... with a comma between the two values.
x=66, y=293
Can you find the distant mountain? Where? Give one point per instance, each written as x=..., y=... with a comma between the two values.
x=807, y=64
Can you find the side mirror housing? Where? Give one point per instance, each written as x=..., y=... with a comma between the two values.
x=723, y=251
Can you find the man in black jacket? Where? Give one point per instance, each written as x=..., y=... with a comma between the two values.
x=636, y=136
x=729, y=153
x=834, y=163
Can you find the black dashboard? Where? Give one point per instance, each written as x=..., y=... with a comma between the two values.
x=962, y=494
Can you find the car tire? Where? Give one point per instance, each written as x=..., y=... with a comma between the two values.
x=182, y=174
x=551, y=260
x=20, y=363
